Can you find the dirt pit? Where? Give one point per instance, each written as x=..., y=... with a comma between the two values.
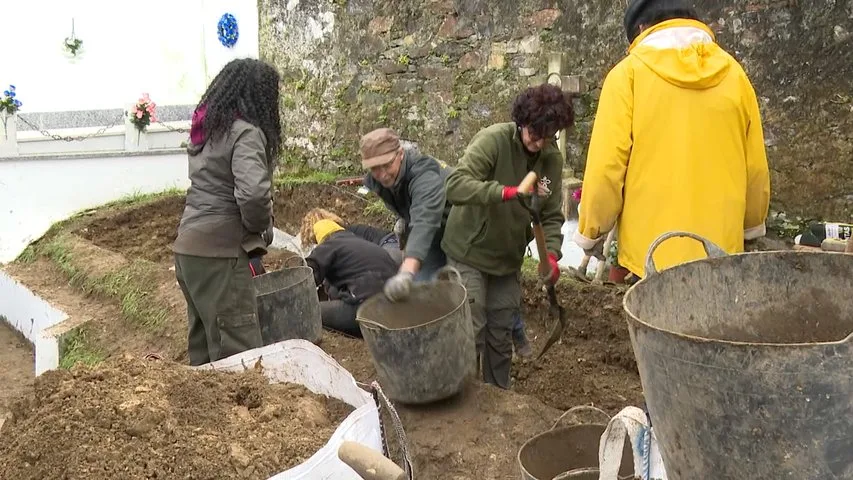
x=16, y=367
x=131, y=418
x=593, y=364
x=148, y=231
x=478, y=434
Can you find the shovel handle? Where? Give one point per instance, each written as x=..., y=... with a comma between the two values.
x=539, y=235
x=528, y=183
x=368, y=463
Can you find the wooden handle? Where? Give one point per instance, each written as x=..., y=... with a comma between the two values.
x=539, y=235
x=368, y=463
x=528, y=183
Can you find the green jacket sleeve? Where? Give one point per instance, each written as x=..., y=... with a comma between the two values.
x=467, y=184
x=428, y=198
x=552, y=211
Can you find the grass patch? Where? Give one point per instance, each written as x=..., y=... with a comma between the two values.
x=291, y=179
x=375, y=207
x=74, y=349
x=130, y=285
x=136, y=198
x=530, y=268
x=28, y=255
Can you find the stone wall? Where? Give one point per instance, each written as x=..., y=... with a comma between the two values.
x=439, y=70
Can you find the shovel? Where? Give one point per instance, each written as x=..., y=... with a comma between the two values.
x=368, y=463
x=556, y=310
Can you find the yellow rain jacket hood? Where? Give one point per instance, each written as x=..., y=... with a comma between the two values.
x=677, y=144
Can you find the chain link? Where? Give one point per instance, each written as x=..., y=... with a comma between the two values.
x=78, y=138
x=173, y=129
x=100, y=131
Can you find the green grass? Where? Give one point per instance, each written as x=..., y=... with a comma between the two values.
x=138, y=197
x=291, y=179
x=130, y=285
x=375, y=207
x=74, y=349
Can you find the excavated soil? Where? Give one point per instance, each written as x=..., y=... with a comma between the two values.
x=131, y=418
x=144, y=232
x=592, y=364
x=147, y=231
x=16, y=367
x=477, y=434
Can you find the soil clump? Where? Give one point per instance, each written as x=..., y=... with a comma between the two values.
x=132, y=418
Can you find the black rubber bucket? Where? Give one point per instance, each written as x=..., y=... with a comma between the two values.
x=422, y=348
x=288, y=305
x=746, y=363
x=569, y=452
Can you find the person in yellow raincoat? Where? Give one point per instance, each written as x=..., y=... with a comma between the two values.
x=677, y=144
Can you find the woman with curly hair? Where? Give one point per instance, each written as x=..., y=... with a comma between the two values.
x=234, y=143
x=488, y=231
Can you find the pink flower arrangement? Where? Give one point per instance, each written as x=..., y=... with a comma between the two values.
x=143, y=113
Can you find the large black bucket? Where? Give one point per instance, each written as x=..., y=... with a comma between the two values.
x=422, y=348
x=288, y=305
x=570, y=452
x=746, y=363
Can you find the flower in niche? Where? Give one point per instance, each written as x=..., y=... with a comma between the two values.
x=143, y=113
x=227, y=30
x=10, y=103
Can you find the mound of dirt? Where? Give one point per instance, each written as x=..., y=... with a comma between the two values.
x=132, y=419
x=593, y=363
x=146, y=231
x=292, y=203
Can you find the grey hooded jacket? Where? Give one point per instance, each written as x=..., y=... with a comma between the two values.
x=229, y=202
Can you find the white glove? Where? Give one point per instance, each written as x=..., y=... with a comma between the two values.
x=397, y=288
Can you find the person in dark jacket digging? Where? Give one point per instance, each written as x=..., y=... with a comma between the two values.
x=234, y=142
x=412, y=186
x=351, y=268
x=488, y=231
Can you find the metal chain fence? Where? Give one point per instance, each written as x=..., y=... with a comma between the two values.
x=99, y=132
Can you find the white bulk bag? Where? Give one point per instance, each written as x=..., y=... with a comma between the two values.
x=302, y=362
x=633, y=423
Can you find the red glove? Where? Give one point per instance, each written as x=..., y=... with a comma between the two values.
x=509, y=193
x=555, y=269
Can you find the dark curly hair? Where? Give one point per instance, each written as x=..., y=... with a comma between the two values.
x=544, y=110
x=246, y=88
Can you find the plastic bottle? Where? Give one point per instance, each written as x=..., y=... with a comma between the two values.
x=818, y=232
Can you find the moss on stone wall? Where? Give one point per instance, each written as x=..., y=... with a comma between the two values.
x=439, y=70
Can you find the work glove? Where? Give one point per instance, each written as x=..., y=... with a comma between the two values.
x=397, y=288
x=551, y=277
x=256, y=265
x=400, y=227
x=268, y=235
x=510, y=193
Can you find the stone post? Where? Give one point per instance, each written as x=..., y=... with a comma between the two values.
x=570, y=84
x=8, y=135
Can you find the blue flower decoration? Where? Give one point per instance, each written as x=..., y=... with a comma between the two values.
x=227, y=29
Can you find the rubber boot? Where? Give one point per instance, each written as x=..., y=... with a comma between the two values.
x=519, y=338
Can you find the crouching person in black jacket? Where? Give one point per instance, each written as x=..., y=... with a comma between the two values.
x=352, y=270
